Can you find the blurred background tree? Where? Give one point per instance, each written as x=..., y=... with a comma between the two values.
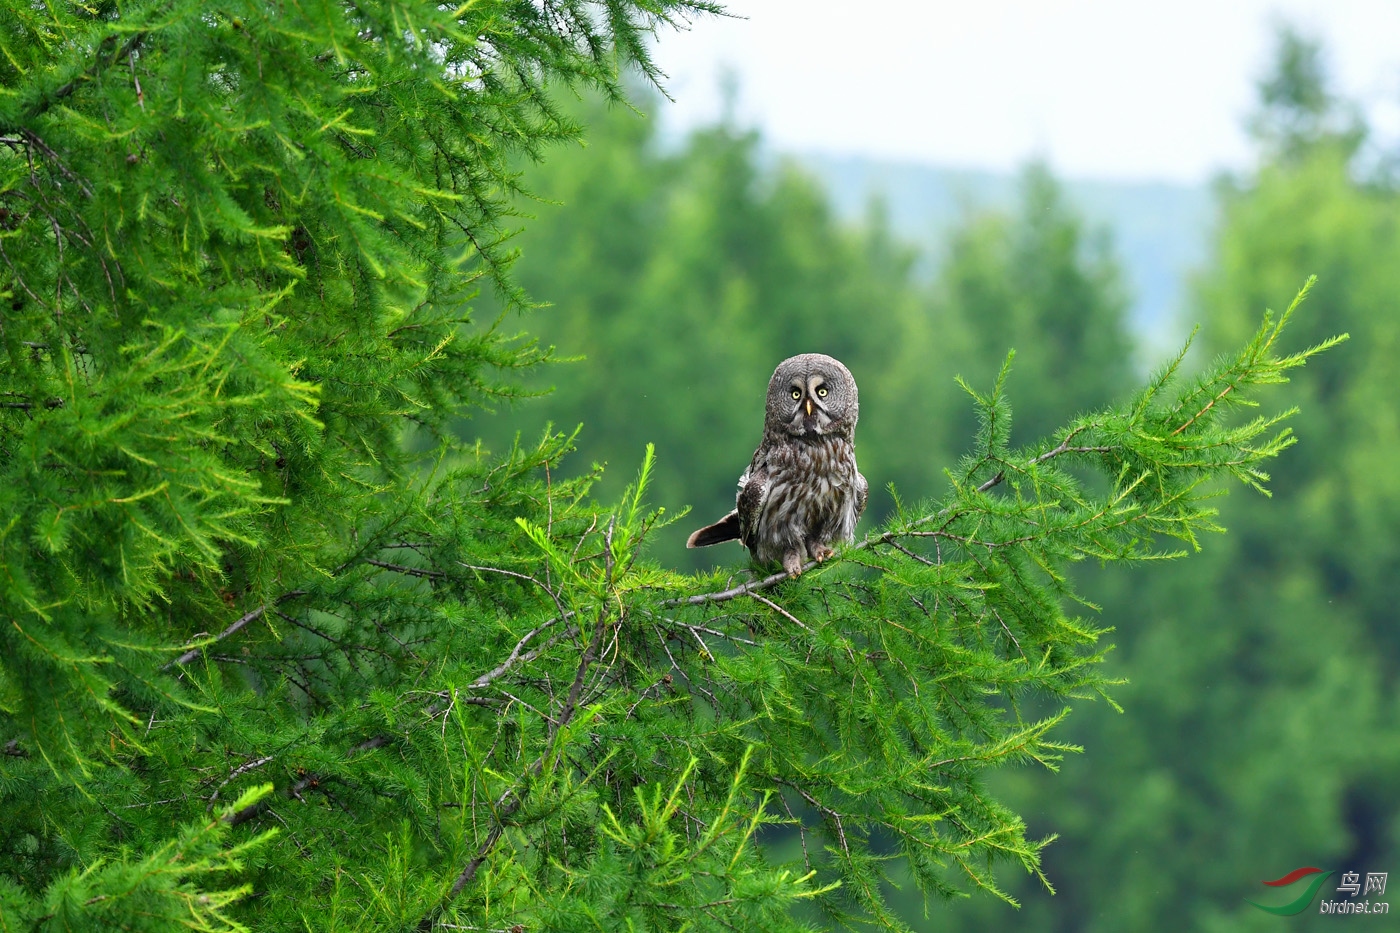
x=1260, y=727
x=683, y=276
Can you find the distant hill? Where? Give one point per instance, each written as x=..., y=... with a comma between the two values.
x=1159, y=230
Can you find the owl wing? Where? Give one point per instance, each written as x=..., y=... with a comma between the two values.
x=749, y=505
x=862, y=494
x=743, y=521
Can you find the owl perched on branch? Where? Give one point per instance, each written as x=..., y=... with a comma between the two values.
x=802, y=492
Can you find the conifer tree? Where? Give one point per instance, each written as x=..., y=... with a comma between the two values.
x=1260, y=726
x=267, y=665
x=1039, y=280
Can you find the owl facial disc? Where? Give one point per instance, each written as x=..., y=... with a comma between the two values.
x=812, y=395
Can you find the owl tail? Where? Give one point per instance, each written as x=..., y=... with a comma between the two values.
x=726, y=529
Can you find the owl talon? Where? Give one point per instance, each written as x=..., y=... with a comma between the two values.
x=792, y=563
x=821, y=552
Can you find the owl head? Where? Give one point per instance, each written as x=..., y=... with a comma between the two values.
x=811, y=395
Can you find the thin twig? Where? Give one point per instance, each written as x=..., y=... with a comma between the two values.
x=558, y=604
x=43, y=147
x=510, y=801
x=517, y=658
x=908, y=553
x=827, y=811
x=255, y=614
x=241, y=769
x=780, y=610
x=66, y=89
x=407, y=571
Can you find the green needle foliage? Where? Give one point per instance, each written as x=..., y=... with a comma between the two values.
x=264, y=664
x=1261, y=727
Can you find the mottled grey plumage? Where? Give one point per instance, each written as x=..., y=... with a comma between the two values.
x=802, y=491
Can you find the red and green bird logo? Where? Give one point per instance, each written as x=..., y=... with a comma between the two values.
x=1301, y=902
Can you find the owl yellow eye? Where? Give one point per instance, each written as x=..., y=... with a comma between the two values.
x=821, y=392
x=796, y=393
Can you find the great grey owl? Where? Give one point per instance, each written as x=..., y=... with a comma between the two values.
x=802, y=492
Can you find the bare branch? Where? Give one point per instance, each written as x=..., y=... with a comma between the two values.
x=780, y=610
x=407, y=571
x=517, y=658
x=558, y=604
x=241, y=769
x=235, y=627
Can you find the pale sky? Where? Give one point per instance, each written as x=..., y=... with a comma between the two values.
x=1101, y=88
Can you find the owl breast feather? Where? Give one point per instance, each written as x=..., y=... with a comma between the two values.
x=798, y=494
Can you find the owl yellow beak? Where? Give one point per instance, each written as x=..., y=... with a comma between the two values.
x=809, y=408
